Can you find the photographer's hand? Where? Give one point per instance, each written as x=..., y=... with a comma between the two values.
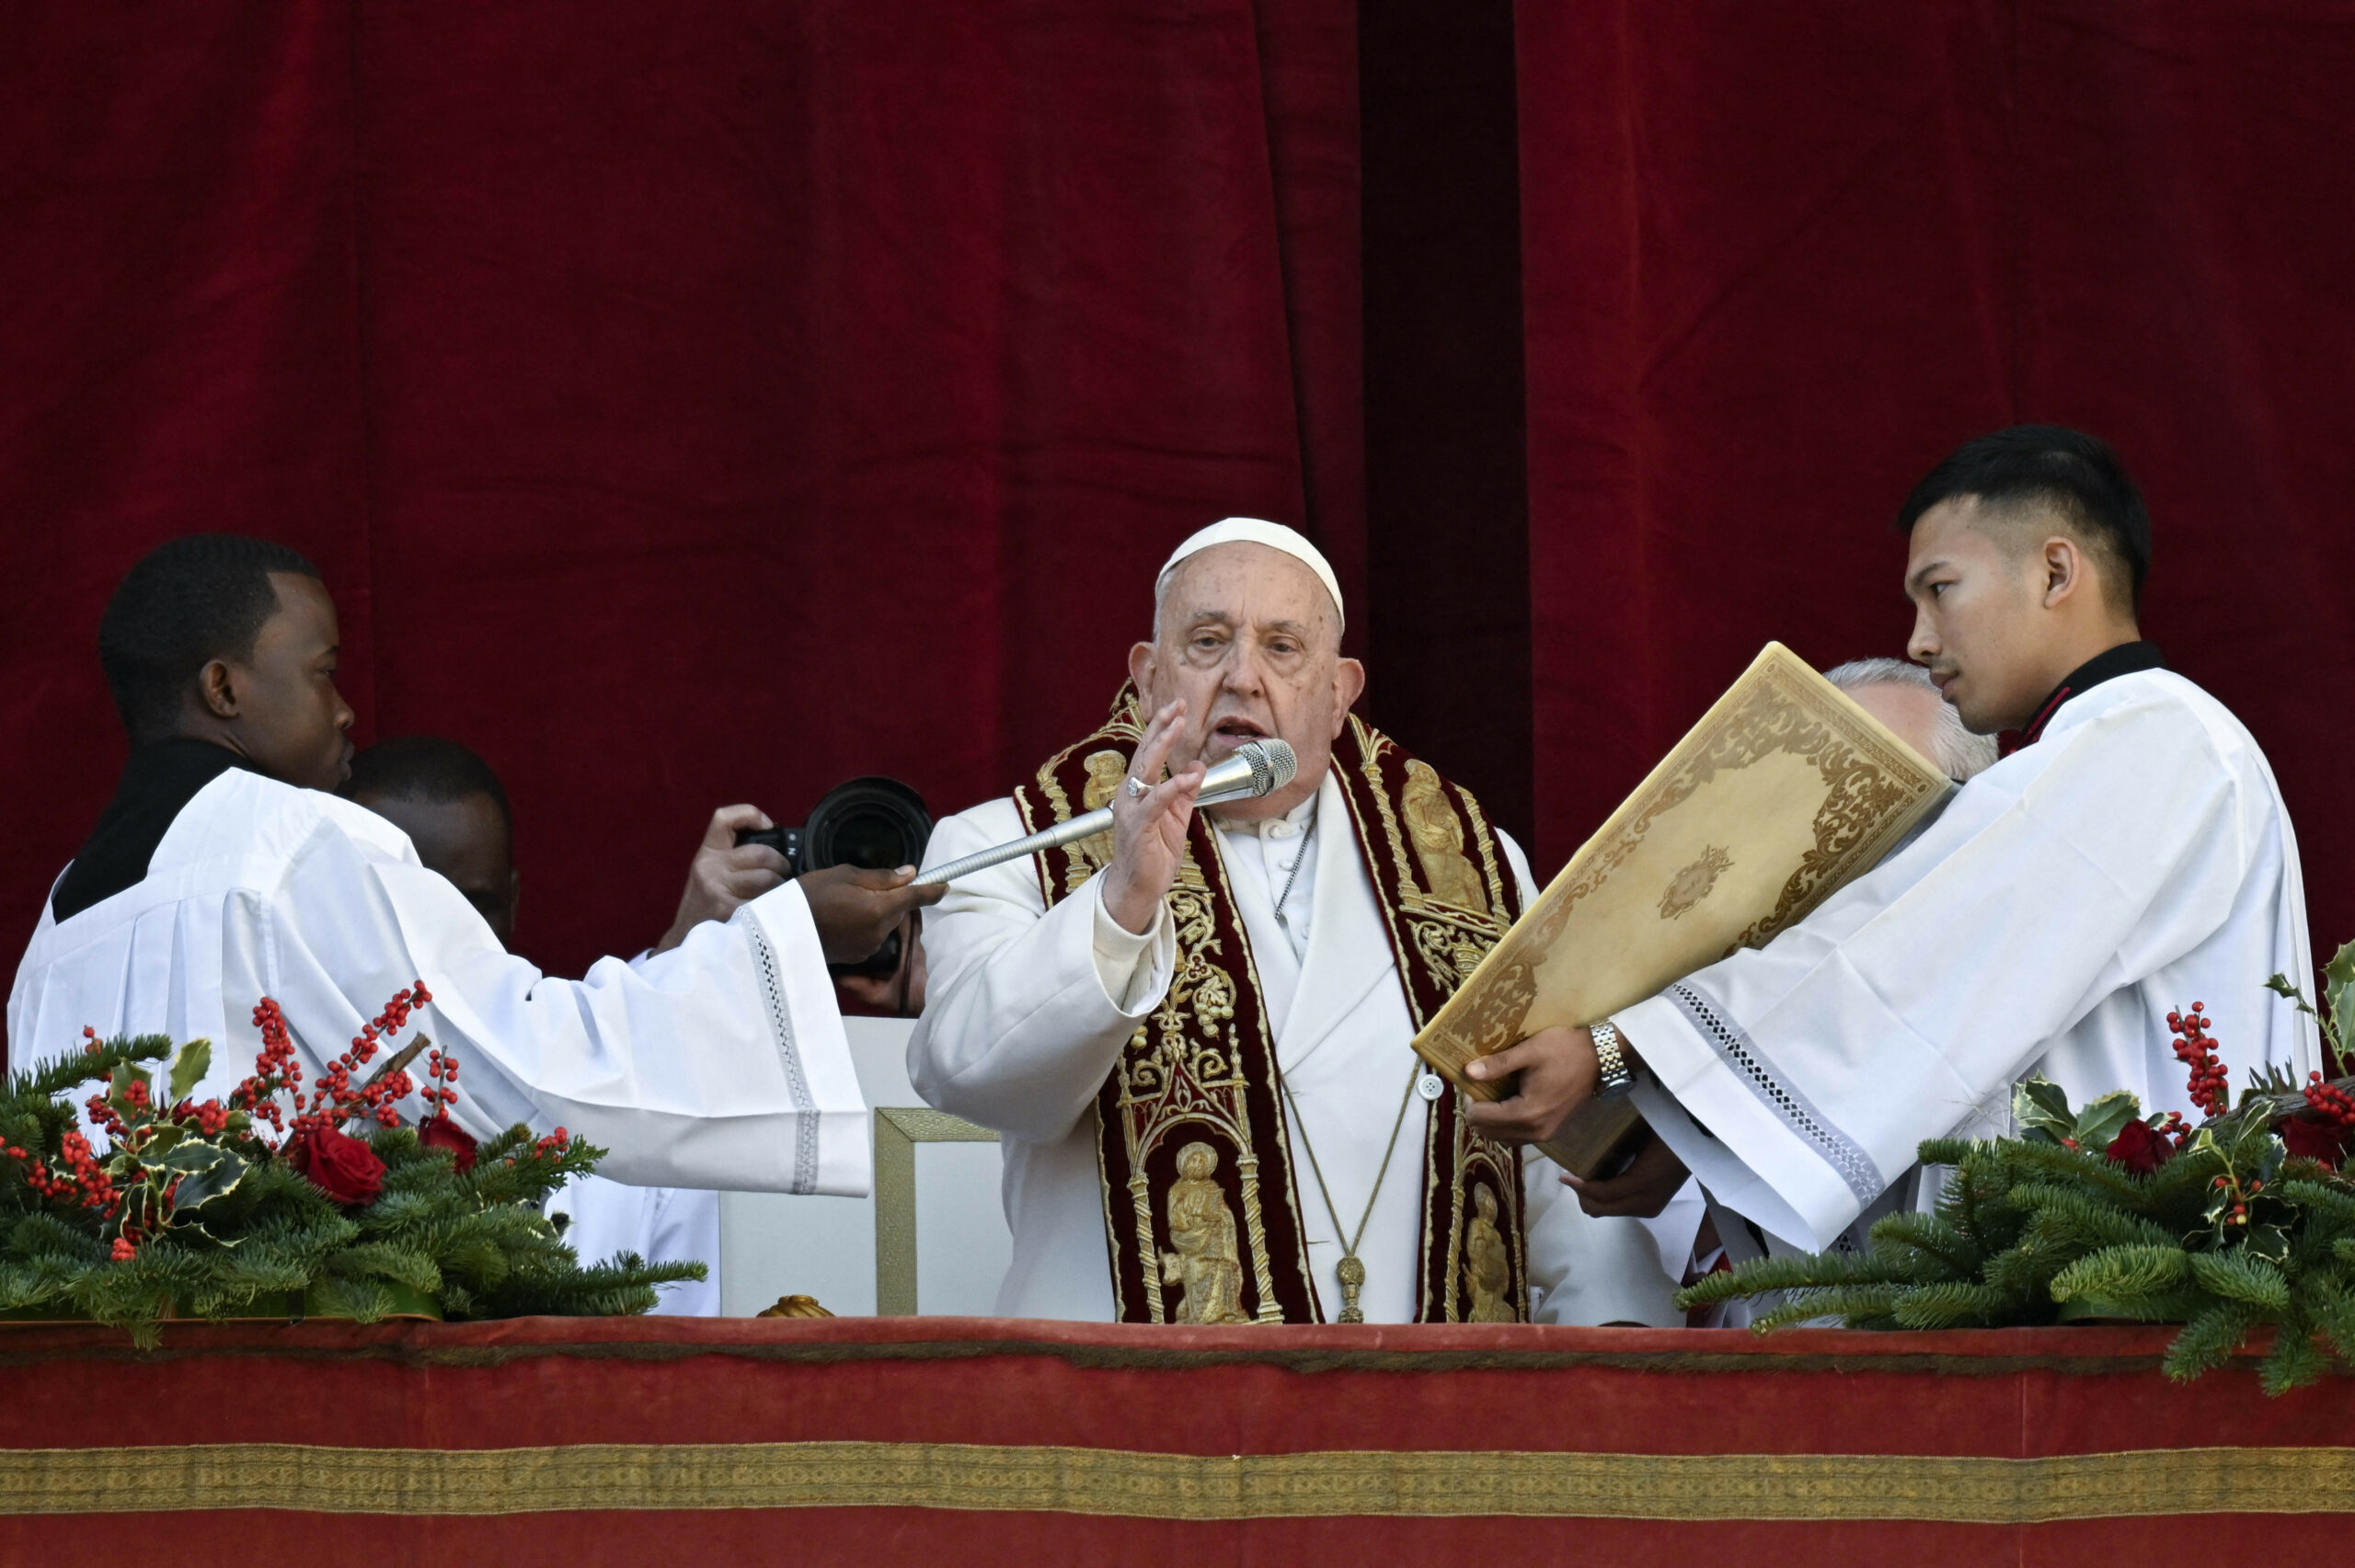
x=725, y=875
x=854, y=910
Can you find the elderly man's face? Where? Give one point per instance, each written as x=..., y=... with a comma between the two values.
x=1249, y=638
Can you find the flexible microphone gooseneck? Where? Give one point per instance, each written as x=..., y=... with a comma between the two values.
x=1257, y=768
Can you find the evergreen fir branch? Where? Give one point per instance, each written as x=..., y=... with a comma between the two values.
x=2209, y=1340
x=2051, y=1160
x=1852, y=1304
x=1957, y=1305
x=74, y=1068
x=2072, y=1219
x=383, y=1260
x=2237, y=1277
x=2124, y=1275
x=1942, y=1248
x=361, y=1300
x=2294, y=1361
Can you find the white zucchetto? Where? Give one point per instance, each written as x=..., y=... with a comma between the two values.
x=1255, y=531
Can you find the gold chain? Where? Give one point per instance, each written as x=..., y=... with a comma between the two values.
x=1351, y=1269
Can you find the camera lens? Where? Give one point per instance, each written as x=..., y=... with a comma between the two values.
x=877, y=823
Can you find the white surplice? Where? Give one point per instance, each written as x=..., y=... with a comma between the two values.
x=721, y=1063
x=2136, y=859
x=1028, y=1010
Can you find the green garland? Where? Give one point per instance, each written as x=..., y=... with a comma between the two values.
x=191, y=1213
x=2222, y=1227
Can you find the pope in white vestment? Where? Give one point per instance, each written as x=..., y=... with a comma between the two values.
x=260, y=888
x=1029, y=1008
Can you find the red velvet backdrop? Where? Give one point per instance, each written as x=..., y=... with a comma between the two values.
x=1781, y=259
x=693, y=404
x=687, y=404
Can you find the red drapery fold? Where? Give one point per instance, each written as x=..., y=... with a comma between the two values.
x=685, y=405
x=1780, y=260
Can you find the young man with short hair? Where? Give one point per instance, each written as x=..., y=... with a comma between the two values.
x=222, y=872
x=2130, y=857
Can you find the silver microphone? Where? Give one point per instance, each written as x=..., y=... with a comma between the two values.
x=1257, y=768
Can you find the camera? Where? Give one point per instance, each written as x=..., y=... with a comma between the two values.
x=875, y=823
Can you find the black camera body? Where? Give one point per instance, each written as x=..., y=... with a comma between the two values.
x=876, y=823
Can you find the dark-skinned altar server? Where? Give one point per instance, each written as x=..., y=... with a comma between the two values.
x=1192, y=1033
x=223, y=871
x=2130, y=858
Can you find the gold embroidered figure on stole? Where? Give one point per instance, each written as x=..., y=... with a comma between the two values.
x=1439, y=842
x=1206, y=1269
x=1487, y=1266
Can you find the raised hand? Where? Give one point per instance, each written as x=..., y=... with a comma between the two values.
x=725, y=875
x=1149, y=831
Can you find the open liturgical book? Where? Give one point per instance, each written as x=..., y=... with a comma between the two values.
x=1781, y=793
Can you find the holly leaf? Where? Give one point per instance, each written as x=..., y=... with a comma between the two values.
x=2338, y=994
x=2098, y=1124
x=2042, y=1108
x=190, y=1157
x=2280, y=985
x=125, y=1075
x=219, y=1177
x=188, y=1069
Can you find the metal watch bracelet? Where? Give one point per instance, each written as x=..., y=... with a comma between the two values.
x=1611, y=1062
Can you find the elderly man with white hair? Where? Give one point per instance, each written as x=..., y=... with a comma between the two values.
x=1905, y=698
x=1194, y=1031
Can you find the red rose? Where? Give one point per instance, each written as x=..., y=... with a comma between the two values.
x=2315, y=1140
x=440, y=1132
x=2138, y=1147
x=342, y=1167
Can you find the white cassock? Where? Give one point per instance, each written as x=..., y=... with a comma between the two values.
x=1027, y=1011
x=2135, y=859
x=720, y=1063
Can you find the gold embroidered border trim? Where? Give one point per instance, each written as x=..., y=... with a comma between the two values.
x=1125, y=1484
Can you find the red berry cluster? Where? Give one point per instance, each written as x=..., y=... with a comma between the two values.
x=337, y=1099
x=2330, y=1103
x=555, y=1144
x=2241, y=1194
x=2211, y=1085
x=211, y=1117
x=275, y=1068
x=442, y=1092
x=83, y=1182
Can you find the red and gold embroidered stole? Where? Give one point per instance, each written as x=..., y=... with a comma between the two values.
x=1201, y=1200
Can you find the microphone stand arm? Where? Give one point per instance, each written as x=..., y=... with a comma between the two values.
x=1062, y=833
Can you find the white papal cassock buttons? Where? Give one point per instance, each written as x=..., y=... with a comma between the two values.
x=1430, y=1086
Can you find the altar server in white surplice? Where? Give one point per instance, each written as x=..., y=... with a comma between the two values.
x=223, y=871
x=1193, y=1032
x=2131, y=857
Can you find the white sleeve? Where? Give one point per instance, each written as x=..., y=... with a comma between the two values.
x=1025, y=1009
x=721, y=1063
x=1797, y=1081
x=1582, y=1269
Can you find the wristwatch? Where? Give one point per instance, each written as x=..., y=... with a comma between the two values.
x=1612, y=1061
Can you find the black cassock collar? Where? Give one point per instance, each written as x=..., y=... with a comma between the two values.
x=157, y=783
x=2123, y=660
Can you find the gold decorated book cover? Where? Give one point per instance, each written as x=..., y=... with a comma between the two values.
x=1782, y=793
